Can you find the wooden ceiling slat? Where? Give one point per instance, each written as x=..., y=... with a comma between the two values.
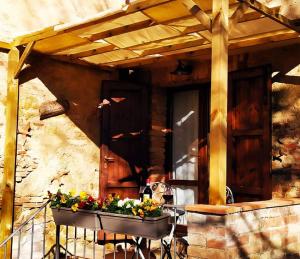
x=112, y=56
x=240, y=43
x=153, y=33
x=272, y=13
x=58, y=43
x=258, y=26
x=83, y=48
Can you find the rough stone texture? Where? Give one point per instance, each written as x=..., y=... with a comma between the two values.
x=286, y=133
x=62, y=151
x=263, y=233
x=59, y=152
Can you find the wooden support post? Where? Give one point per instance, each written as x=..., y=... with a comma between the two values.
x=10, y=150
x=218, y=110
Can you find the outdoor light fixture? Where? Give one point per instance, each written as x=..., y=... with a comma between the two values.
x=183, y=68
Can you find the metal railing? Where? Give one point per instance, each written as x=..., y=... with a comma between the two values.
x=29, y=231
x=17, y=233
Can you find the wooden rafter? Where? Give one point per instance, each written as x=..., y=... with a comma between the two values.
x=196, y=11
x=272, y=13
x=23, y=58
x=4, y=45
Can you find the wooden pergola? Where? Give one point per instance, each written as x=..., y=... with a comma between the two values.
x=148, y=31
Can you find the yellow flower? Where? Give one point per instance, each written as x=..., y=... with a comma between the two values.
x=63, y=199
x=83, y=195
x=74, y=207
x=153, y=207
x=110, y=198
x=141, y=212
x=72, y=192
x=134, y=211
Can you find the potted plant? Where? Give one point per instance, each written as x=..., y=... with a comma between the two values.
x=75, y=210
x=133, y=217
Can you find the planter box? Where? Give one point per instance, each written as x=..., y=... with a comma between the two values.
x=81, y=218
x=151, y=228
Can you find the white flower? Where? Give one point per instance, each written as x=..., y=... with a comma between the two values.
x=120, y=203
x=128, y=206
x=136, y=202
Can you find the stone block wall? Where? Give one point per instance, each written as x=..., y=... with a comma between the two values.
x=249, y=230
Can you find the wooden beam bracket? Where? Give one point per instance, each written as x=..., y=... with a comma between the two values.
x=237, y=14
x=23, y=58
x=196, y=11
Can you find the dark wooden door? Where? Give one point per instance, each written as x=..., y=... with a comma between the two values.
x=249, y=133
x=124, y=137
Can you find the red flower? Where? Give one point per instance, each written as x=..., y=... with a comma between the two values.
x=91, y=199
x=99, y=202
x=81, y=205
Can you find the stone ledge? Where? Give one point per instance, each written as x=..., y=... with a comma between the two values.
x=212, y=209
x=242, y=206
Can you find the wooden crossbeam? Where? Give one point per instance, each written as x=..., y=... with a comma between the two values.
x=10, y=151
x=4, y=45
x=272, y=13
x=23, y=58
x=120, y=30
x=218, y=104
x=196, y=11
x=171, y=47
x=237, y=14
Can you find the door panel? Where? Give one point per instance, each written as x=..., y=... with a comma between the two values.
x=249, y=132
x=124, y=137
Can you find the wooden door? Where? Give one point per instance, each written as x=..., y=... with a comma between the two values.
x=249, y=134
x=124, y=138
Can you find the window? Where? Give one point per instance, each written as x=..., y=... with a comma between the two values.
x=187, y=121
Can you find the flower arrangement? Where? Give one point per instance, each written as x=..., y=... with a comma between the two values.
x=147, y=208
x=73, y=201
x=112, y=203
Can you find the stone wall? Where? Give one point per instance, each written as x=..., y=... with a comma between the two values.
x=250, y=230
x=58, y=152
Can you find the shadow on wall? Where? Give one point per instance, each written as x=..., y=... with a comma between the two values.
x=79, y=85
x=285, y=109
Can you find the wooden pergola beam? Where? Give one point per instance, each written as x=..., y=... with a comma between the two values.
x=237, y=15
x=218, y=106
x=196, y=11
x=4, y=45
x=272, y=13
x=23, y=58
x=10, y=151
